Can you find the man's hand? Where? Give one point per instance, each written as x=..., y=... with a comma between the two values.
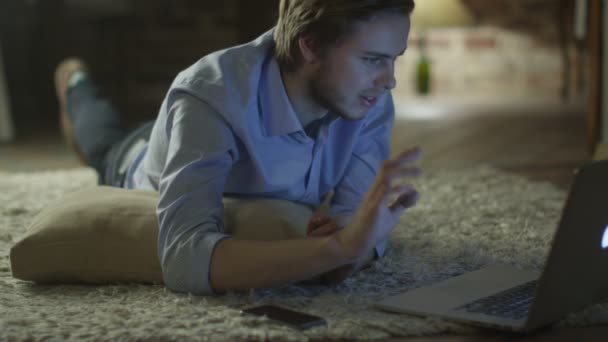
x=323, y=225
x=376, y=218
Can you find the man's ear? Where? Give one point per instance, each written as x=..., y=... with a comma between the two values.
x=308, y=49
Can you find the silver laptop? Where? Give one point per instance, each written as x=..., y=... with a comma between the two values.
x=504, y=297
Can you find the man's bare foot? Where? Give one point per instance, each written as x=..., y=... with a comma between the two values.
x=63, y=73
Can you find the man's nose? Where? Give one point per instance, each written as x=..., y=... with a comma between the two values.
x=387, y=79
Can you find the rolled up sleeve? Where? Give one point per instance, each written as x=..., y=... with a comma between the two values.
x=200, y=154
x=371, y=149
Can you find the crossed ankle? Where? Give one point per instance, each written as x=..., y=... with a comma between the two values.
x=76, y=77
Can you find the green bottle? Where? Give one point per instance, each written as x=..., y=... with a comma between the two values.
x=423, y=77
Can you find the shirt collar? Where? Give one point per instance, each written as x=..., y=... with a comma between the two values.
x=277, y=113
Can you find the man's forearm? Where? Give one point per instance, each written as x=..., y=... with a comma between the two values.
x=342, y=220
x=244, y=264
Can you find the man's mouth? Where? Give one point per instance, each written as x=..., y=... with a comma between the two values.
x=368, y=101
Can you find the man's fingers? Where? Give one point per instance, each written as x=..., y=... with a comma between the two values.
x=393, y=171
x=404, y=172
x=321, y=224
x=400, y=165
x=383, y=185
x=406, y=200
x=402, y=190
x=316, y=220
x=324, y=230
x=319, y=218
x=406, y=157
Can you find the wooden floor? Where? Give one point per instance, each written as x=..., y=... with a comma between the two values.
x=542, y=142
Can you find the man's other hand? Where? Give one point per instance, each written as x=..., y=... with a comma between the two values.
x=376, y=218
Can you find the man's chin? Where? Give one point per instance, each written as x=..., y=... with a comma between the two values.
x=349, y=113
x=353, y=115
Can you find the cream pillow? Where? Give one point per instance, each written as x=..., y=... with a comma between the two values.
x=104, y=235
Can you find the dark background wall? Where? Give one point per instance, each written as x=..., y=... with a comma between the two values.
x=134, y=48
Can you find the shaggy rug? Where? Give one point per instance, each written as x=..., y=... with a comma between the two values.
x=465, y=220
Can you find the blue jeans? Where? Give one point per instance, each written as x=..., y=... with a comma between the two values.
x=100, y=134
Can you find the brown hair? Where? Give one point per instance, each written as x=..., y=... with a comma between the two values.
x=327, y=21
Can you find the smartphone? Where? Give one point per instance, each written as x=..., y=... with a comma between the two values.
x=298, y=320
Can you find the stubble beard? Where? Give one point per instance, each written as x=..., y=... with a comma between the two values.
x=328, y=97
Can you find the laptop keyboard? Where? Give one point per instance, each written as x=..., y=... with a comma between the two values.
x=513, y=303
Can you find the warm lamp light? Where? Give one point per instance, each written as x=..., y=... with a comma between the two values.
x=441, y=13
x=435, y=14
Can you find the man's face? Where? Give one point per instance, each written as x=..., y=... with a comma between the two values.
x=351, y=76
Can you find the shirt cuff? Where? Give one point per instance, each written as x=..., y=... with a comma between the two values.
x=187, y=263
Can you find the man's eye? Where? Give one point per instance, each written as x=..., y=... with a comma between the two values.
x=374, y=61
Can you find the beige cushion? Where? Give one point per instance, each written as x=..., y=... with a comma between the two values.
x=103, y=235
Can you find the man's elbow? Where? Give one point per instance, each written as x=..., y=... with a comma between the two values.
x=179, y=278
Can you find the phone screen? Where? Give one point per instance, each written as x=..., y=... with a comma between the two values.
x=296, y=319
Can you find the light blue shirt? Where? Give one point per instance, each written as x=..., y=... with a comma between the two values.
x=227, y=127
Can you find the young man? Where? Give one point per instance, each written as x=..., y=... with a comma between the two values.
x=303, y=110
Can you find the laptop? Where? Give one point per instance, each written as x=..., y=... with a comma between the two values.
x=508, y=298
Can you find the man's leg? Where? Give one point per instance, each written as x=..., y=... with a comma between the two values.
x=90, y=123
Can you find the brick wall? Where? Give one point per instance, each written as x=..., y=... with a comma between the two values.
x=483, y=61
x=537, y=18
x=512, y=48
